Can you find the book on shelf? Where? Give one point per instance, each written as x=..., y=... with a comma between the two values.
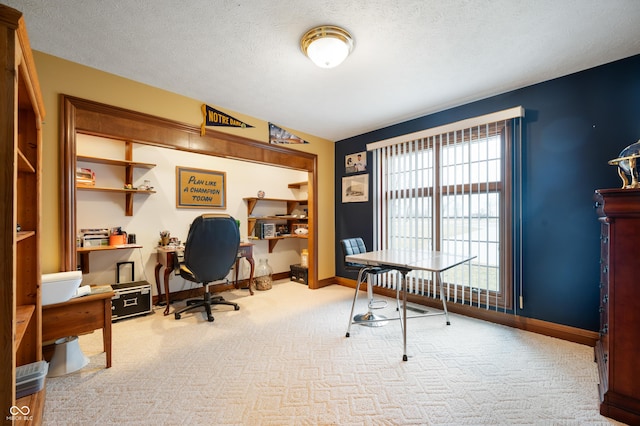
x=85, y=177
x=94, y=231
x=93, y=237
x=265, y=230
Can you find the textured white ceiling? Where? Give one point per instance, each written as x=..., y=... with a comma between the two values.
x=411, y=57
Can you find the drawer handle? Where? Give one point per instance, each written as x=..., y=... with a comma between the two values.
x=130, y=302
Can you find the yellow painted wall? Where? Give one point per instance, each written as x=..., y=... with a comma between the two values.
x=58, y=76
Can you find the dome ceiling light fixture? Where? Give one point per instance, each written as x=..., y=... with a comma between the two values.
x=327, y=45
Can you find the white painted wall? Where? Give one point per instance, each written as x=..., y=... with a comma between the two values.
x=156, y=212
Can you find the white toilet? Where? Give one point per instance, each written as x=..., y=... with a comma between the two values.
x=67, y=357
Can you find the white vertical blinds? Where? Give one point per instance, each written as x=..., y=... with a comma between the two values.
x=449, y=189
x=506, y=114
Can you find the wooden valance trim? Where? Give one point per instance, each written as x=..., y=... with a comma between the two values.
x=118, y=123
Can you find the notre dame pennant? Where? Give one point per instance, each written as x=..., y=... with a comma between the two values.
x=215, y=118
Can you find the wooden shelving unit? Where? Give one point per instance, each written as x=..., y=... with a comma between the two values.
x=129, y=165
x=291, y=204
x=288, y=217
x=21, y=139
x=118, y=190
x=24, y=313
x=297, y=185
x=125, y=163
x=274, y=240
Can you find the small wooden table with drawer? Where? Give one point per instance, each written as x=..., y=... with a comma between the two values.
x=80, y=316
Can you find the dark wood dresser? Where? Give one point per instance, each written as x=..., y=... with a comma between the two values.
x=618, y=350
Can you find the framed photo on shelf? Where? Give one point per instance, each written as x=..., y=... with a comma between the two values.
x=282, y=229
x=268, y=230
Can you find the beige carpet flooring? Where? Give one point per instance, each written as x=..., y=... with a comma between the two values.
x=283, y=359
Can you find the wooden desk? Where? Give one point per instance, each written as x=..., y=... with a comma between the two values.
x=246, y=251
x=79, y=316
x=167, y=258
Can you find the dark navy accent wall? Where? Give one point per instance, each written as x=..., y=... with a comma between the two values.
x=573, y=125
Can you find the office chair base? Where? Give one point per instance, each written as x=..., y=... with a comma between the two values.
x=370, y=320
x=206, y=303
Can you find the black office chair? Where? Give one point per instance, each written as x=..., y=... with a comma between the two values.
x=209, y=253
x=355, y=246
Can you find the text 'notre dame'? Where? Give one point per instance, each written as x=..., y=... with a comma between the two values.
x=221, y=119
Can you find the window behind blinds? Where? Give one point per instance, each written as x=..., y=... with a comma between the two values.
x=450, y=189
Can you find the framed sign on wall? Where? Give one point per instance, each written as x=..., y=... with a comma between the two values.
x=198, y=188
x=355, y=189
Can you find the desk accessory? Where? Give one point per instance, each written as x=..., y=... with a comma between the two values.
x=264, y=275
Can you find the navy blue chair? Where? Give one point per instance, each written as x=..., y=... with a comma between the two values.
x=355, y=246
x=209, y=253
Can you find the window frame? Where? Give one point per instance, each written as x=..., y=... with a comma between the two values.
x=461, y=293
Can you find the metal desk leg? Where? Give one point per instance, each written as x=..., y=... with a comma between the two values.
x=355, y=297
x=404, y=314
x=444, y=300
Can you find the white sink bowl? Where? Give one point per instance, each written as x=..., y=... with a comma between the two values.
x=60, y=286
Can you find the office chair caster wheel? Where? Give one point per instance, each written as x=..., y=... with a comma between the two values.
x=347, y=335
x=177, y=316
x=210, y=319
x=236, y=308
